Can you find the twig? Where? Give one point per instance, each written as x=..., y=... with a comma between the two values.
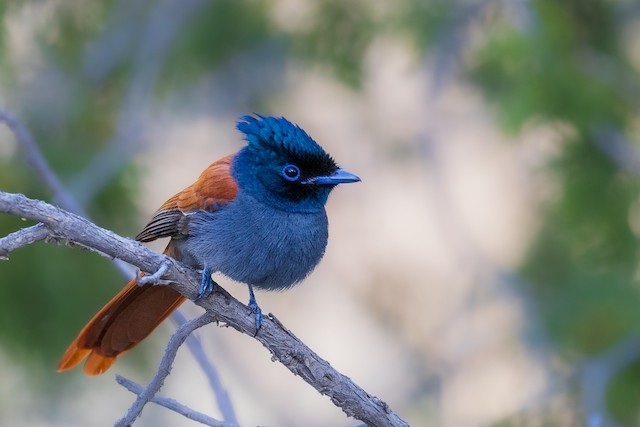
x=23, y=237
x=164, y=369
x=174, y=405
x=222, y=397
x=285, y=347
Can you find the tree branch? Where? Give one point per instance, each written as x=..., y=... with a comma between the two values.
x=178, y=337
x=222, y=397
x=283, y=345
x=23, y=237
x=173, y=405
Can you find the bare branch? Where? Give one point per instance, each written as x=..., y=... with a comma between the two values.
x=23, y=237
x=221, y=306
x=222, y=397
x=174, y=405
x=164, y=369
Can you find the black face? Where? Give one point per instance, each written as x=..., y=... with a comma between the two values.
x=290, y=176
x=283, y=166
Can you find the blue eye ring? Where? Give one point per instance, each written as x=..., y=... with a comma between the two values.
x=291, y=172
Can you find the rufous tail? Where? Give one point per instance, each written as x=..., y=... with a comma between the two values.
x=124, y=322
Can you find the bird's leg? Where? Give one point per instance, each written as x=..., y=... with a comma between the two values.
x=207, y=285
x=154, y=278
x=253, y=305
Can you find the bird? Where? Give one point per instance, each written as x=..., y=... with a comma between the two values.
x=256, y=216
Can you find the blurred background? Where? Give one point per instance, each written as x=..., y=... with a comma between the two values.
x=485, y=271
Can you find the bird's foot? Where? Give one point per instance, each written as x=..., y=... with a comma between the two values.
x=154, y=278
x=253, y=305
x=256, y=309
x=207, y=285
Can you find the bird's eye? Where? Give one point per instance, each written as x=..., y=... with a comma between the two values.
x=291, y=172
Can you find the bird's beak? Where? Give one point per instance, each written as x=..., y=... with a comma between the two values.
x=340, y=176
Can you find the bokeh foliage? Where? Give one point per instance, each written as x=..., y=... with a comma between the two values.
x=564, y=64
x=586, y=254
x=569, y=67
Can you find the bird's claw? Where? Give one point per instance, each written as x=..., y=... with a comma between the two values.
x=207, y=285
x=253, y=305
x=154, y=278
x=258, y=312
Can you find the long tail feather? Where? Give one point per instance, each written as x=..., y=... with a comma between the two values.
x=120, y=325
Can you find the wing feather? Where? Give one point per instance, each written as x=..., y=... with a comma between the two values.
x=214, y=188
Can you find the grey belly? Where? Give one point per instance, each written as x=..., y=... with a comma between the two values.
x=266, y=248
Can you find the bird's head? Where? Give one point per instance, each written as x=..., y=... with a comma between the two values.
x=284, y=167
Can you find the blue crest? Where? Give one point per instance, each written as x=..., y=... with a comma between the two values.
x=280, y=135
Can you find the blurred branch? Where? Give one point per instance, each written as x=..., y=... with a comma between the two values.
x=596, y=375
x=160, y=31
x=112, y=47
x=284, y=347
x=614, y=145
x=37, y=161
x=222, y=397
x=522, y=14
x=178, y=337
x=174, y=405
x=451, y=41
x=235, y=84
